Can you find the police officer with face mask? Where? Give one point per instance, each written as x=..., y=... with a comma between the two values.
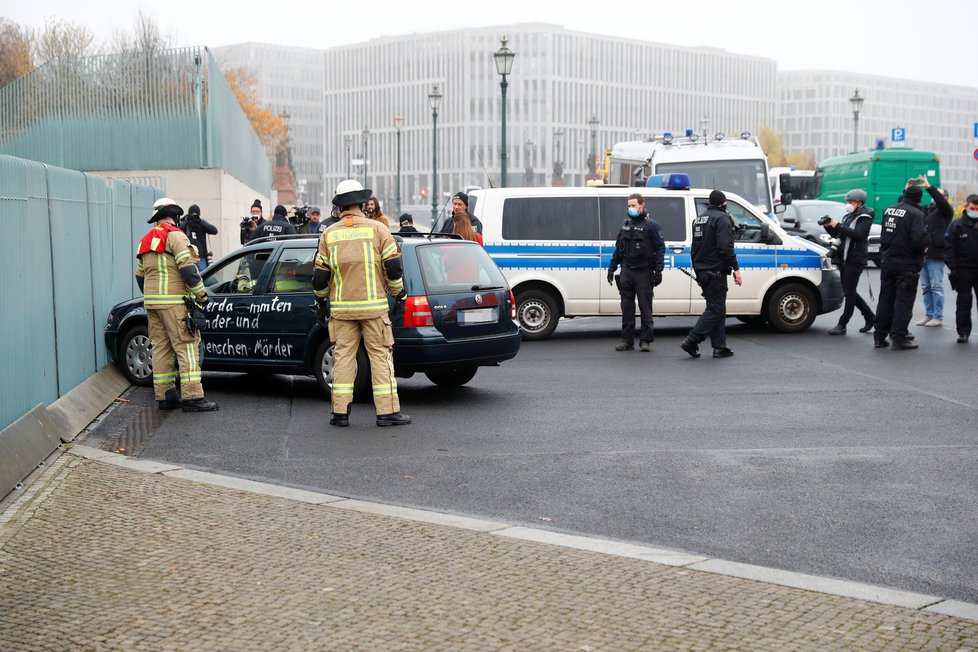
x=640, y=250
x=902, y=247
x=961, y=256
x=851, y=256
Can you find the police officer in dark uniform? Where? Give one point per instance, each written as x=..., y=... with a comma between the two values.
x=713, y=259
x=640, y=251
x=961, y=255
x=902, y=247
x=278, y=225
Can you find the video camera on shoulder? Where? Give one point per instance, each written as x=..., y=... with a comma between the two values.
x=299, y=215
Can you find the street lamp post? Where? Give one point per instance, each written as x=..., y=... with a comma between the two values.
x=398, y=121
x=504, y=66
x=365, y=133
x=434, y=100
x=856, y=102
x=558, y=161
x=593, y=124
x=347, y=140
x=528, y=159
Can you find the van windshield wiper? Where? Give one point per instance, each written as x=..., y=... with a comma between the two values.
x=483, y=288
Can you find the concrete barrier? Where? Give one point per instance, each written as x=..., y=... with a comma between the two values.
x=29, y=440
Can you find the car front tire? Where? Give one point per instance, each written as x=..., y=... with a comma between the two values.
x=136, y=356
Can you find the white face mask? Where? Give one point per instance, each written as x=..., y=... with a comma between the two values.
x=972, y=214
x=850, y=208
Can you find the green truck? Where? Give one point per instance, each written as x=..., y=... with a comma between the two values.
x=882, y=173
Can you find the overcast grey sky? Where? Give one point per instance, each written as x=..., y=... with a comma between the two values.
x=898, y=38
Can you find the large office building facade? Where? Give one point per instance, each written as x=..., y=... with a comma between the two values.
x=570, y=95
x=815, y=115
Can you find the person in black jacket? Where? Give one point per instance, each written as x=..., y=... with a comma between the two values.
x=278, y=225
x=713, y=259
x=937, y=218
x=902, y=247
x=249, y=226
x=851, y=256
x=640, y=250
x=460, y=203
x=961, y=255
x=197, y=230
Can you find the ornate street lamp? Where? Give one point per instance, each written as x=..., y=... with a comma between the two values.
x=593, y=124
x=504, y=66
x=347, y=140
x=856, y=102
x=365, y=133
x=558, y=179
x=398, y=121
x=434, y=100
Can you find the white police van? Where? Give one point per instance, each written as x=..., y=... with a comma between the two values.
x=554, y=246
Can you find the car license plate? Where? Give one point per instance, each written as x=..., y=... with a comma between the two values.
x=873, y=248
x=477, y=316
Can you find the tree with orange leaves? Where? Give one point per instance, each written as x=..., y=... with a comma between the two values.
x=272, y=128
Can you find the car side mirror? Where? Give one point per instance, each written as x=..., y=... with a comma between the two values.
x=780, y=208
x=786, y=199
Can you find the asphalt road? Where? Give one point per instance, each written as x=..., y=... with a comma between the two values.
x=804, y=452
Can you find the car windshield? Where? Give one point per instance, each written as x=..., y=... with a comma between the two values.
x=745, y=178
x=455, y=266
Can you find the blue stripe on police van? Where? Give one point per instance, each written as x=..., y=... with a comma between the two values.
x=537, y=256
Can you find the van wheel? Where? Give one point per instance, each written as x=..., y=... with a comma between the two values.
x=791, y=308
x=536, y=312
x=452, y=377
x=324, y=362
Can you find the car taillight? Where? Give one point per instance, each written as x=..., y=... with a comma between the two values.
x=512, y=305
x=417, y=312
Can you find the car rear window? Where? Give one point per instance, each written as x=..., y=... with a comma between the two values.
x=454, y=266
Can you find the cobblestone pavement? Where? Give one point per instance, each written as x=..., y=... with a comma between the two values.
x=102, y=557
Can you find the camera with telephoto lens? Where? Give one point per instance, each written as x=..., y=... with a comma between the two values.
x=833, y=243
x=825, y=219
x=299, y=215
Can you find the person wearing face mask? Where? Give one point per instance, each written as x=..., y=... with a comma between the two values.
x=640, y=250
x=961, y=256
x=713, y=257
x=902, y=245
x=851, y=256
x=937, y=218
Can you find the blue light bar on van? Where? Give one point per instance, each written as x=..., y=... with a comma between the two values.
x=667, y=137
x=674, y=181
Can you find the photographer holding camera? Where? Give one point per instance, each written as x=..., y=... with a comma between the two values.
x=197, y=230
x=849, y=251
x=250, y=224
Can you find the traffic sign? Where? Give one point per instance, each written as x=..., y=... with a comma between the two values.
x=976, y=154
x=899, y=134
x=976, y=130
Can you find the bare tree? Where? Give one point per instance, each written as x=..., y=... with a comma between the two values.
x=15, y=51
x=145, y=36
x=62, y=42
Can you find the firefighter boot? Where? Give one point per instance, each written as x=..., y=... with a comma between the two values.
x=340, y=419
x=199, y=405
x=393, y=419
x=171, y=400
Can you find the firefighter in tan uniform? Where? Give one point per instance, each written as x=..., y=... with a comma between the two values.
x=166, y=273
x=358, y=263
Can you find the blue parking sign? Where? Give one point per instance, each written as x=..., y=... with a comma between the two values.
x=899, y=134
x=976, y=130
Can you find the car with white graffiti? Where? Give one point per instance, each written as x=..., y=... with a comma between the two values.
x=261, y=318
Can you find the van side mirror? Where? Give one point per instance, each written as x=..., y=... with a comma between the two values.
x=767, y=237
x=786, y=198
x=784, y=180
